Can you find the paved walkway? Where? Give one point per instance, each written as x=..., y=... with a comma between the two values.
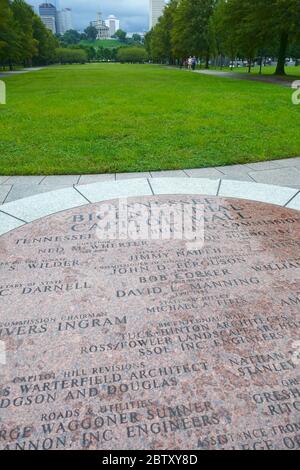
x=23, y=211
x=278, y=172
x=19, y=72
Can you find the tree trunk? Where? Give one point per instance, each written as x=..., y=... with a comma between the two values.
x=260, y=68
x=207, y=60
x=249, y=66
x=284, y=40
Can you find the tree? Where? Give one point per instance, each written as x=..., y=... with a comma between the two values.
x=91, y=33
x=70, y=56
x=89, y=50
x=159, y=41
x=233, y=22
x=191, y=28
x=47, y=43
x=10, y=43
x=254, y=26
x=222, y=43
x=286, y=22
x=132, y=54
x=24, y=39
x=71, y=37
x=121, y=35
x=137, y=37
x=23, y=15
x=106, y=54
x=5, y=14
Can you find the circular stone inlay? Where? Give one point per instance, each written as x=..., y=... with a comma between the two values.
x=151, y=344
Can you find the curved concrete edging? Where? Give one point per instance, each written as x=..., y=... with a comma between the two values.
x=17, y=213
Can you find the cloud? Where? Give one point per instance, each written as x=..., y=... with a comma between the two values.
x=134, y=14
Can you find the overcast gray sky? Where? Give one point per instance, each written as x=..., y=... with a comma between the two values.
x=133, y=14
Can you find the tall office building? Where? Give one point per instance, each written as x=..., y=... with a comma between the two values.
x=57, y=21
x=50, y=23
x=113, y=24
x=64, y=20
x=156, y=11
x=47, y=13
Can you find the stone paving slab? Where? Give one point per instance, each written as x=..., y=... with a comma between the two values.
x=87, y=179
x=129, y=176
x=269, y=165
x=169, y=174
x=8, y=223
x=262, y=172
x=3, y=179
x=4, y=191
x=21, y=191
x=234, y=170
x=257, y=192
x=61, y=179
x=289, y=176
x=34, y=180
x=204, y=173
x=238, y=178
x=294, y=203
x=40, y=205
x=97, y=192
x=286, y=162
x=184, y=186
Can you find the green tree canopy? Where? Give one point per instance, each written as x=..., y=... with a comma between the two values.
x=46, y=43
x=246, y=29
x=191, y=29
x=121, y=35
x=91, y=33
x=24, y=39
x=23, y=16
x=71, y=37
x=132, y=54
x=159, y=41
x=70, y=56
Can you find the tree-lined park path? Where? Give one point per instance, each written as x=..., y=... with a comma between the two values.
x=19, y=72
x=276, y=80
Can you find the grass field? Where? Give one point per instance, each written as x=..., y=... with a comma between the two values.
x=117, y=118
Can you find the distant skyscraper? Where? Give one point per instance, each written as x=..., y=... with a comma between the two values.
x=113, y=24
x=64, y=20
x=47, y=9
x=47, y=13
x=57, y=21
x=50, y=23
x=156, y=11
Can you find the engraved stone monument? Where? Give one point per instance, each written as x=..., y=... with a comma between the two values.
x=150, y=343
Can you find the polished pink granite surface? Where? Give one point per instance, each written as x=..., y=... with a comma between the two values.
x=152, y=344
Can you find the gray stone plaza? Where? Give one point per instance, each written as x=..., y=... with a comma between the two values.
x=285, y=172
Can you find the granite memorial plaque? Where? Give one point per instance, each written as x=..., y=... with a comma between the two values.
x=152, y=344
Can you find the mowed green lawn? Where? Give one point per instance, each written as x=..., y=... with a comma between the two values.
x=118, y=118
